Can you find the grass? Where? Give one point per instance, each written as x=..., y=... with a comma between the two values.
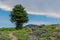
x=21, y=34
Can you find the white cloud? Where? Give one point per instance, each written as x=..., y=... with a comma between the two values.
x=54, y=15
x=5, y=7
x=49, y=8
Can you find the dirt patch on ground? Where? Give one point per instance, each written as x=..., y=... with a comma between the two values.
x=13, y=37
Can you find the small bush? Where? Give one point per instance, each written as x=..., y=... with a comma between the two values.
x=4, y=36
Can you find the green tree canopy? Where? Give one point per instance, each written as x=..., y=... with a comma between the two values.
x=19, y=16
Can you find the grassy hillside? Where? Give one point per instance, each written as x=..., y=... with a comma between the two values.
x=43, y=32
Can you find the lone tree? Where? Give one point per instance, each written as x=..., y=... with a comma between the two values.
x=19, y=16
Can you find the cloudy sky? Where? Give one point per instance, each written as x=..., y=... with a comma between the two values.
x=39, y=11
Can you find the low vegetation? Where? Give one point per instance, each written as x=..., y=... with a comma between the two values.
x=46, y=32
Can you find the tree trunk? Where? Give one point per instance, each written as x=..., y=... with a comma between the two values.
x=18, y=25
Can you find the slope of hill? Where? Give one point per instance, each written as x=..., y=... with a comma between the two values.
x=47, y=32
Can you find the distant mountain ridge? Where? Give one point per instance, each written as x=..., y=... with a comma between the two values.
x=32, y=25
